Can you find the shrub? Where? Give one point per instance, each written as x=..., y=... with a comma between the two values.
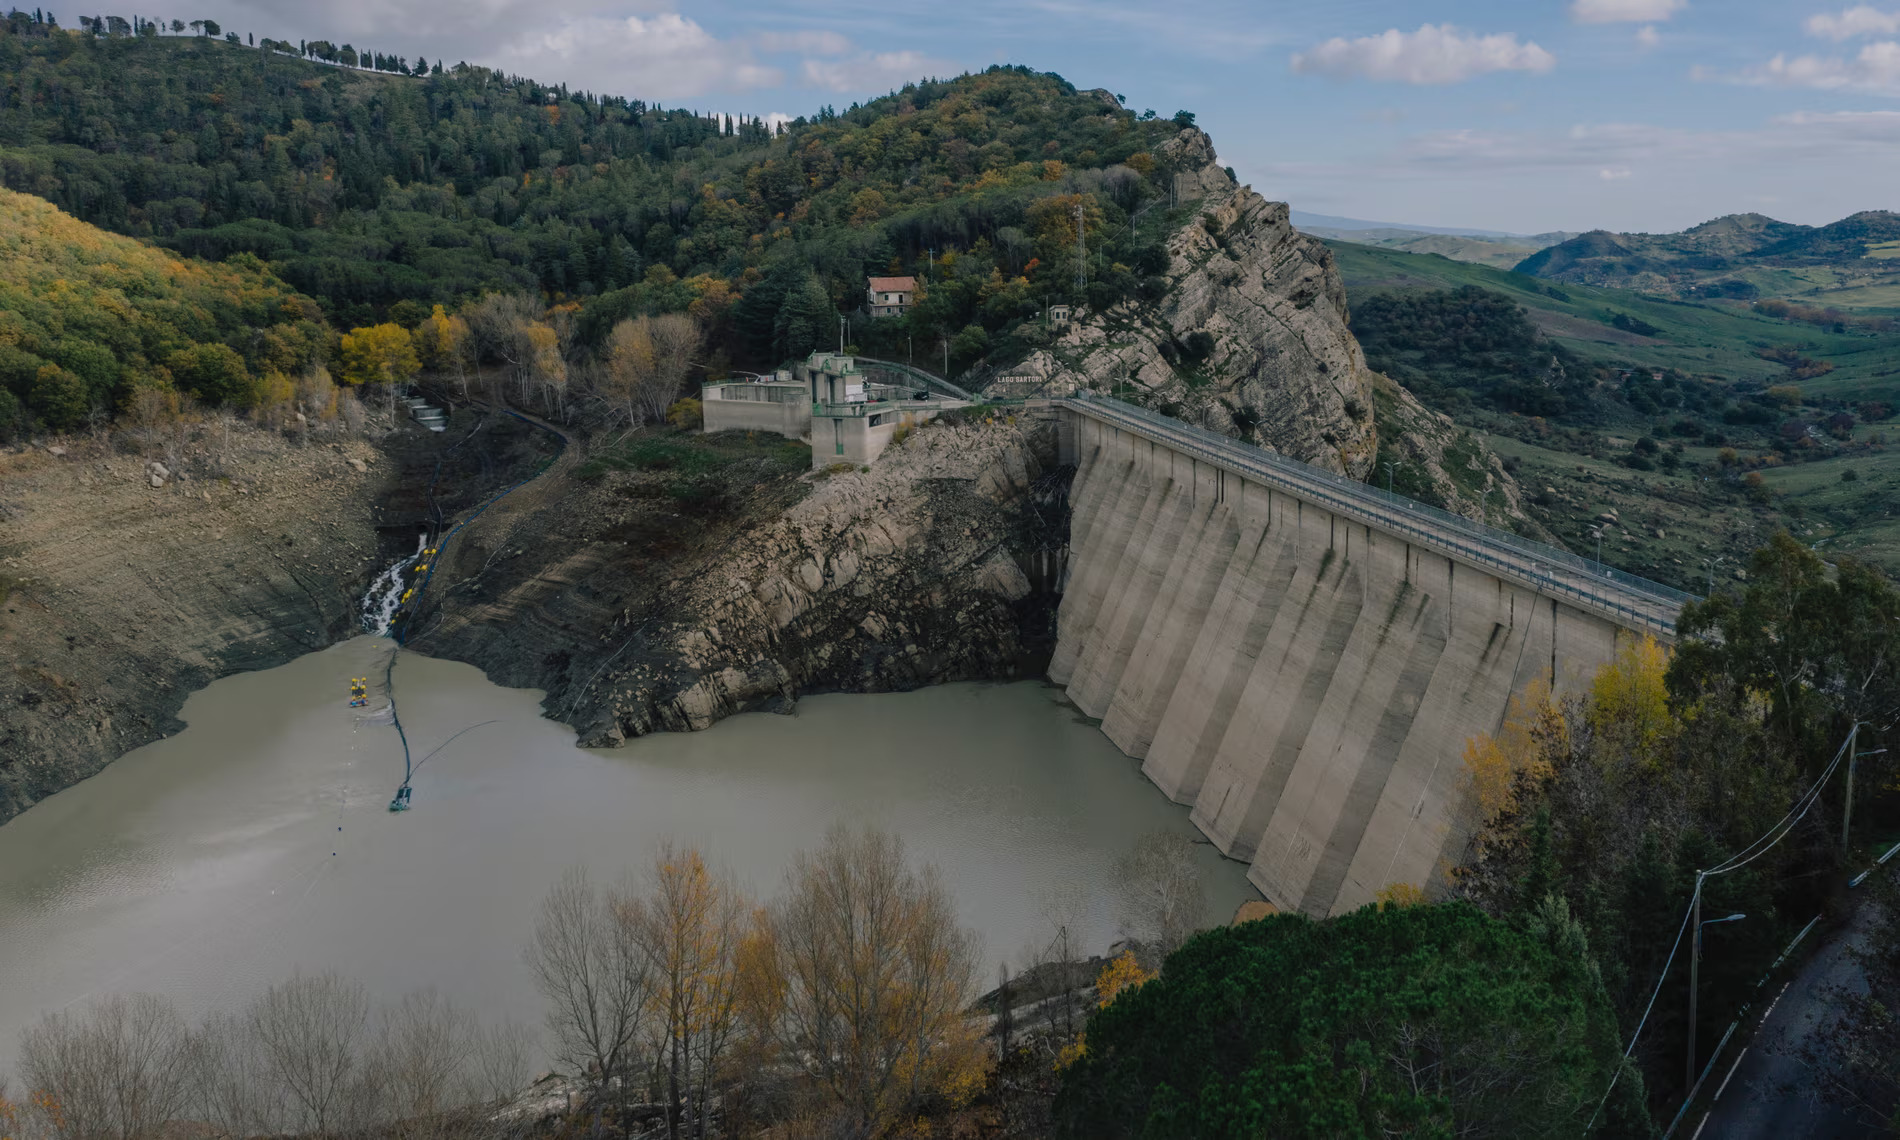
x=686, y=413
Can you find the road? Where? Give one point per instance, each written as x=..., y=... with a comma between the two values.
x=1768, y=1095
x=1623, y=598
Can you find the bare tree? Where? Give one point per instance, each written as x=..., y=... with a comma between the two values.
x=689, y=925
x=1162, y=899
x=499, y=1069
x=595, y=977
x=231, y=1090
x=498, y=325
x=630, y=366
x=648, y=359
x=865, y=976
x=118, y=1071
x=308, y=1031
x=676, y=338
x=422, y=1049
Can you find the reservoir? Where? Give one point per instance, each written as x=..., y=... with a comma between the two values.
x=257, y=841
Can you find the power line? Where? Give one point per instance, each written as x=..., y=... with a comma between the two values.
x=1773, y=836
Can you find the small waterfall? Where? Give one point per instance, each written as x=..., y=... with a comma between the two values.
x=385, y=593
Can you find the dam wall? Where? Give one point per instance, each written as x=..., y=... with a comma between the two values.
x=1297, y=663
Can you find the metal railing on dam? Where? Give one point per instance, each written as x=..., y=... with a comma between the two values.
x=1632, y=600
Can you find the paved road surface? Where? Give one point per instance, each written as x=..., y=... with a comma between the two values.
x=1768, y=1096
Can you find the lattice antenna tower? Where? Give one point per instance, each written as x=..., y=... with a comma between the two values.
x=1081, y=252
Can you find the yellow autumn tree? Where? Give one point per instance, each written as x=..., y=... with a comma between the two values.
x=691, y=924
x=859, y=974
x=442, y=344
x=1121, y=974
x=1629, y=702
x=1399, y=895
x=1533, y=728
x=380, y=354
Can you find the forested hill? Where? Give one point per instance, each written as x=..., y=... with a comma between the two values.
x=365, y=189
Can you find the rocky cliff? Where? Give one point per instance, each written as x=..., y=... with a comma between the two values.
x=1250, y=338
x=643, y=599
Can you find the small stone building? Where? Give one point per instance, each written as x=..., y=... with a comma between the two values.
x=890, y=296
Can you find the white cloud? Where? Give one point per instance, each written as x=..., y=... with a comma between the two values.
x=1433, y=54
x=1624, y=11
x=1860, y=20
x=662, y=56
x=1647, y=37
x=873, y=73
x=1614, y=173
x=804, y=43
x=1855, y=126
x=1876, y=71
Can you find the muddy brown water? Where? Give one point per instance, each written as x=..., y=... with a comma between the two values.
x=258, y=841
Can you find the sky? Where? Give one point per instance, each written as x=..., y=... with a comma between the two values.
x=1519, y=115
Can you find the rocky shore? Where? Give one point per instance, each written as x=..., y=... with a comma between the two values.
x=638, y=616
x=133, y=576
x=138, y=568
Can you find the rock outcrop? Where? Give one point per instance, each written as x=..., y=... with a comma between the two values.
x=912, y=573
x=1250, y=338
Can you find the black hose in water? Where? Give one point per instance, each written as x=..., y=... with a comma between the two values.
x=400, y=634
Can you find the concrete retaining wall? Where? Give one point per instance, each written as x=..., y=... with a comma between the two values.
x=791, y=420
x=1304, y=682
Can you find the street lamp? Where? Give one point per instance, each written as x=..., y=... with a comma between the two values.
x=1695, y=963
x=1712, y=563
x=1853, y=759
x=1388, y=477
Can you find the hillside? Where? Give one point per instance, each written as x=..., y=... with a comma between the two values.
x=89, y=318
x=1851, y=264
x=381, y=194
x=1498, y=253
x=1703, y=426
x=367, y=189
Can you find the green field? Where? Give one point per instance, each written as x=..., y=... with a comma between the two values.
x=1670, y=524
x=1714, y=338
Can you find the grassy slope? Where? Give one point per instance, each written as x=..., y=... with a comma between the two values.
x=1698, y=338
x=1671, y=524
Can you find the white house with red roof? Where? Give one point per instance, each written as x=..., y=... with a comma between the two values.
x=890, y=296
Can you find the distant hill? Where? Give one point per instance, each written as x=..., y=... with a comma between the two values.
x=1312, y=223
x=1852, y=264
x=1483, y=247
x=1615, y=327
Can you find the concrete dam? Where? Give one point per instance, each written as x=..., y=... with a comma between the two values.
x=1301, y=658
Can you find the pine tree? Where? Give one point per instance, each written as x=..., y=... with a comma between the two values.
x=805, y=320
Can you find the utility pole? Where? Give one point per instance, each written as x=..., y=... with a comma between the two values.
x=1853, y=757
x=841, y=327
x=1695, y=963
x=1081, y=253
x=946, y=356
x=1847, y=812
